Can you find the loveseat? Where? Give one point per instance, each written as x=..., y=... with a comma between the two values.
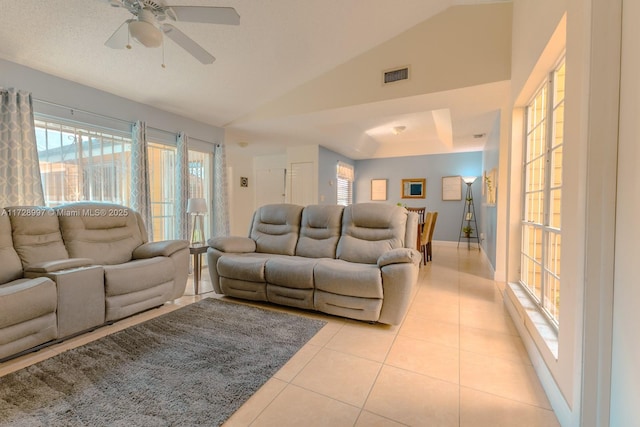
x=357, y=261
x=76, y=267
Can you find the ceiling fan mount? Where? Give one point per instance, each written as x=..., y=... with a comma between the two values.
x=148, y=28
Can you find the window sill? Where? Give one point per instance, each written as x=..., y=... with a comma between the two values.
x=541, y=331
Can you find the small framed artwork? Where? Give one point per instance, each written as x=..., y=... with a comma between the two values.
x=415, y=188
x=451, y=188
x=244, y=181
x=378, y=189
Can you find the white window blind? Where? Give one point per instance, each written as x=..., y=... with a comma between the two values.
x=344, y=178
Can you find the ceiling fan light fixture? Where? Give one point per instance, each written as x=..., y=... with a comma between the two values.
x=399, y=129
x=144, y=29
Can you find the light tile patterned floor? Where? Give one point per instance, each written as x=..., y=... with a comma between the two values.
x=456, y=360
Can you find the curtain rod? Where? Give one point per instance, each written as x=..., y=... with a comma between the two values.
x=104, y=116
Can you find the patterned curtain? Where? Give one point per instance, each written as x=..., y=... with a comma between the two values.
x=140, y=193
x=182, y=186
x=220, y=197
x=20, y=181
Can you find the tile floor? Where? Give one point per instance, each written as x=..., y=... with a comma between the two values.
x=456, y=360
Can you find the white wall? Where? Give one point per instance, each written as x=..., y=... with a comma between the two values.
x=625, y=379
x=56, y=90
x=241, y=199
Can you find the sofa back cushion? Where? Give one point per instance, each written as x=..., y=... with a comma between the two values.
x=36, y=234
x=369, y=230
x=10, y=266
x=106, y=233
x=275, y=228
x=319, y=231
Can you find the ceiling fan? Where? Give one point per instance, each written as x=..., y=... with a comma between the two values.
x=148, y=28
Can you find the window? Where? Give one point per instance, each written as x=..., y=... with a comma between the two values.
x=542, y=195
x=344, y=179
x=162, y=186
x=199, y=180
x=79, y=163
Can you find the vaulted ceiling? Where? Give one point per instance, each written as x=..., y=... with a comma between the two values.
x=294, y=72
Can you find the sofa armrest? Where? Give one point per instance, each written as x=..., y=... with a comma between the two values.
x=233, y=244
x=399, y=256
x=163, y=248
x=58, y=265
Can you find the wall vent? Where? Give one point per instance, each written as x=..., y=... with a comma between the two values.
x=395, y=75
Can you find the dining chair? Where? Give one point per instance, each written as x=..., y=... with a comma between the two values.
x=420, y=211
x=427, y=235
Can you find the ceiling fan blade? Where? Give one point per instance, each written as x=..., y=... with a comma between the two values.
x=206, y=14
x=187, y=44
x=120, y=38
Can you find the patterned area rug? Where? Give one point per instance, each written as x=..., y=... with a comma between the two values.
x=193, y=366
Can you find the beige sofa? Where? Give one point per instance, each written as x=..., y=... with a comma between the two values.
x=356, y=262
x=79, y=266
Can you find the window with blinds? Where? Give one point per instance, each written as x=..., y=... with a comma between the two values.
x=344, y=178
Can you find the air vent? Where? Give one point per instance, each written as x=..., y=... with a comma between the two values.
x=395, y=75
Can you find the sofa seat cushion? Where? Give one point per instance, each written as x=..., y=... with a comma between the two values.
x=244, y=267
x=25, y=299
x=135, y=276
x=348, y=278
x=290, y=272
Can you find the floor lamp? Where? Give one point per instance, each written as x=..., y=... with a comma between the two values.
x=469, y=216
x=197, y=207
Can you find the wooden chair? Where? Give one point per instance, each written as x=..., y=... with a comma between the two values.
x=427, y=235
x=420, y=211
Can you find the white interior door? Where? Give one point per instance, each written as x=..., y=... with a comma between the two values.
x=270, y=186
x=302, y=183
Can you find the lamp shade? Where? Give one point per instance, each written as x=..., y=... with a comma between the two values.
x=197, y=206
x=469, y=179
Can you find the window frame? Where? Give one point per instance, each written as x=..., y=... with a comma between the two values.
x=547, y=227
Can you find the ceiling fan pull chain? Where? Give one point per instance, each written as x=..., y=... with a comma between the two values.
x=163, y=66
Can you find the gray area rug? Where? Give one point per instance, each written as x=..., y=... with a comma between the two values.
x=194, y=366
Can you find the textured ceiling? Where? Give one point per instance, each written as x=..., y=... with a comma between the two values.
x=278, y=46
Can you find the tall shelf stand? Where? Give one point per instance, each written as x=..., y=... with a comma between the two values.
x=469, y=225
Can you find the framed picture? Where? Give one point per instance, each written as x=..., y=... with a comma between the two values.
x=451, y=188
x=378, y=189
x=415, y=188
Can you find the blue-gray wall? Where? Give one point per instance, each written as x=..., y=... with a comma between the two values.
x=327, y=161
x=433, y=168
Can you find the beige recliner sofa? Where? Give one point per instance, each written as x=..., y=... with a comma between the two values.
x=357, y=262
x=77, y=267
